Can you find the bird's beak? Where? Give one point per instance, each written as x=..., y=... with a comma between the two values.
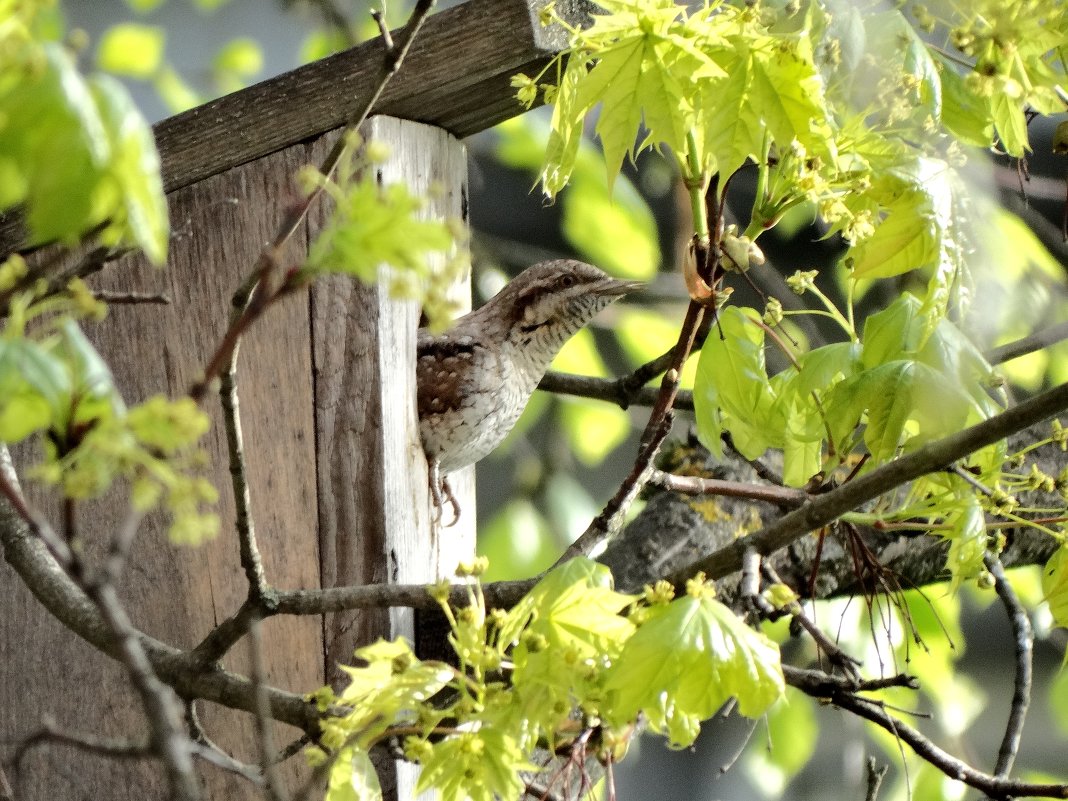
x=618, y=288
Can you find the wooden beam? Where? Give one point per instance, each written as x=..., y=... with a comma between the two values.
x=455, y=77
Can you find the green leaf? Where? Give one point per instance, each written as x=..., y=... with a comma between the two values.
x=485, y=765
x=236, y=63
x=732, y=390
x=52, y=142
x=966, y=115
x=242, y=56
x=322, y=43
x=685, y=661
x=174, y=91
x=1010, y=122
x=788, y=92
x=904, y=241
x=1055, y=585
x=373, y=226
x=353, y=778
x=140, y=213
x=131, y=49
x=93, y=390
x=85, y=142
x=33, y=386
x=906, y=402
x=732, y=129
x=893, y=332
x=616, y=231
x=1058, y=701
x=573, y=607
x=968, y=540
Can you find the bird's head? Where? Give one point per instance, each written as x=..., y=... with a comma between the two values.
x=552, y=300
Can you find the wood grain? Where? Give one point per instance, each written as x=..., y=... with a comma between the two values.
x=179, y=594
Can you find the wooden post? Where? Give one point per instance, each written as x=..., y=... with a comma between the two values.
x=375, y=517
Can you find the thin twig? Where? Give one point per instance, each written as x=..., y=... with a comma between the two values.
x=839, y=658
x=608, y=389
x=251, y=562
x=91, y=262
x=876, y=773
x=131, y=298
x=119, y=547
x=262, y=286
x=205, y=748
x=695, y=485
x=1028, y=344
x=820, y=684
x=1024, y=641
x=262, y=716
x=822, y=509
x=49, y=733
x=159, y=701
x=7, y=793
x=994, y=786
x=656, y=430
x=161, y=704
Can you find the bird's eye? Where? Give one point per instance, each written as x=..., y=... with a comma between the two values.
x=567, y=281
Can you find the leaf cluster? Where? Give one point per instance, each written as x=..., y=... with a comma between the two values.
x=55, y=386
x=377, y=232
x=857, y=118
x=63, y=135
x=571, y=659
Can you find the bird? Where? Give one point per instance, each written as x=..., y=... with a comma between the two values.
x=474, y=380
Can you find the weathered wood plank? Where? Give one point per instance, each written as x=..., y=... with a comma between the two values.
x=179, y=594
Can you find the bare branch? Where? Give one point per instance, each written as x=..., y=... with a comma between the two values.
x=210, y=752
x=273, y=788
x=131, y=298
x=993, y=786
x=1028, y=344
x=839, y=658
x=68, y=603
x=876, y=773
x=695, y=485
x=1024, y=642
x=607, y=389
x=251, y=562
x=610, y=519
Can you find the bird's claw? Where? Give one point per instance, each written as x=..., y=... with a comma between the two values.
x=441, y=492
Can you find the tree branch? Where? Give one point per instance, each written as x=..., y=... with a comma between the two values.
x=822, y=509
x=50, y=584
x=610, y=519
x=1023, y=638
x=993, y=786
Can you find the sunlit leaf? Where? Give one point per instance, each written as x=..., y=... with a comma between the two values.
x=686, y=661
x=732, y=390
x=1055, y=585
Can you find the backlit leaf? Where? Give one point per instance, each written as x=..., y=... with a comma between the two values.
x=686, y=661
